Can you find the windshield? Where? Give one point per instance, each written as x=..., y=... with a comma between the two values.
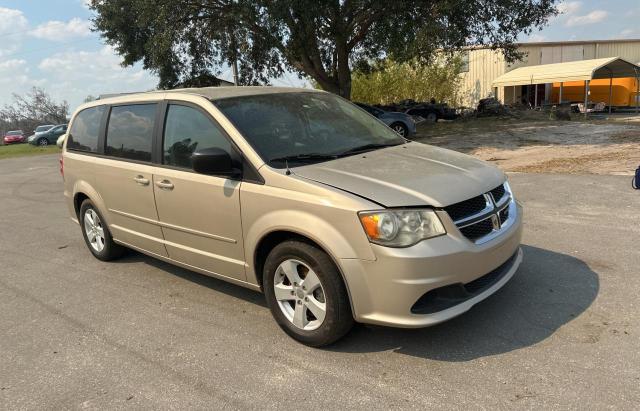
x=288, y=128
x=14, y=133
x=42, y=128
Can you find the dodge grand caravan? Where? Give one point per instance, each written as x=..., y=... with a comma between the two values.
x=298, y=194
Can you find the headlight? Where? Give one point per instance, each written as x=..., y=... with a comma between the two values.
x=400, y=228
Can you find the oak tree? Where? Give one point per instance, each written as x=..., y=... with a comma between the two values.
x=321, y=39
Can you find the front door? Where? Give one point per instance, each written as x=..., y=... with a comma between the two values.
x=199, y=214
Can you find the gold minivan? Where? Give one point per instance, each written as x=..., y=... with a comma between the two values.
x=295, y=193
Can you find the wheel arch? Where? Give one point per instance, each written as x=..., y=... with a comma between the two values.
x=271, y=239
x=83, y=190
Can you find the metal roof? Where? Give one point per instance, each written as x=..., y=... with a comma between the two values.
x=570, y=71
x=554, y=43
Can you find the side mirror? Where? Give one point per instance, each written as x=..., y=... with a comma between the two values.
x=60, y=141
x=214, y=161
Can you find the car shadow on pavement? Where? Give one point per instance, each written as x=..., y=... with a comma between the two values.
x=196, y=278
x=548, y=290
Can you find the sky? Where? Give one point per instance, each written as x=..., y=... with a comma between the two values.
x=49, y=44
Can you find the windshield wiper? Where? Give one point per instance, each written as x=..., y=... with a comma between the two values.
x=365, y=148
x=305, y=157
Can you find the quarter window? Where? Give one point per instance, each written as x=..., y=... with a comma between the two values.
x=130, y=131
x=187, y=130
x=85, y=130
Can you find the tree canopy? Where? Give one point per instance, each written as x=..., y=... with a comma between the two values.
x=31, y=110
x=322, y=39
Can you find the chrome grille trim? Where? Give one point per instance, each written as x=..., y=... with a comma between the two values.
x=487, y=209
x=461, y=223
x=492, y=211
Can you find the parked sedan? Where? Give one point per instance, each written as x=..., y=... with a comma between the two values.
x=39, y=130
x=14, y=137
x=401, y=123
x=48, y=137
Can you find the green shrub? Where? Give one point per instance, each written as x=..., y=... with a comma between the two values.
x=391, y=82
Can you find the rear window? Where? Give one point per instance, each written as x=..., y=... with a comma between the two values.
x=130, y=131
x=85, y=130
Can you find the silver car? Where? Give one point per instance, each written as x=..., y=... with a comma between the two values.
x=39, y=131
x=401, y=123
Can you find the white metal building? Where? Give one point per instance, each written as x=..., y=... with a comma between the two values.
x=485, y=65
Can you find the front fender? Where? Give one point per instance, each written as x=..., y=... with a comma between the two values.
x=306, y=224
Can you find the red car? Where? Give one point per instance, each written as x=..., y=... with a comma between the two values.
x=12, y=137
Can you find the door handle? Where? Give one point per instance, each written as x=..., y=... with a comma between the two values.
x=165, y=184
x=141, y=180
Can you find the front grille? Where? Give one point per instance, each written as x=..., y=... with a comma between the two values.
x=478, y=230
x=498, y=193
x=504, y=215
x=466, y=208
x=478, y=212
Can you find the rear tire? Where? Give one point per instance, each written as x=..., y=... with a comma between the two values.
x=312, y=305
x=431, y=117
x=96, y=233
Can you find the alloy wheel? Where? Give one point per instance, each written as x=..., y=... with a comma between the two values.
x=94, y=230
x=398, y=128
x=299, y=294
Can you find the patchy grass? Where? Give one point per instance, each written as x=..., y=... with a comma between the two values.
x=477, y=125
x=575, y=165
x=21, y=150
x=627, y=136
x=534, y=144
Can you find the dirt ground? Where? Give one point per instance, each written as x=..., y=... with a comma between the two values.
x=543, y=146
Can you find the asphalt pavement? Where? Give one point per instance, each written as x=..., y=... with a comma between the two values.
x=138, y=333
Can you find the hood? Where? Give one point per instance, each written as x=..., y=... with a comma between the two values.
x=411, y=174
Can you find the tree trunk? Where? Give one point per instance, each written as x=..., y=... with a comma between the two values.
x=344, y=71
x=334, y=85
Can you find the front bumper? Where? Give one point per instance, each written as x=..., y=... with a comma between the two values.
x=384, y=291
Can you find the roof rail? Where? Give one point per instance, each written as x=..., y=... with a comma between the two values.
x=109, y=95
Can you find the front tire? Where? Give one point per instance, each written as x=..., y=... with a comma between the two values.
x=400, y=128
x=96, y=233
x=43, y=142
x=306, y=294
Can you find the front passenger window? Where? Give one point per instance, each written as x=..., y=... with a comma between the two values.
x=187, y=130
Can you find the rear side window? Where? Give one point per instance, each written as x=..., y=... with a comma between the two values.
x=85, y=130
x=130, y=131
x=187, y=130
